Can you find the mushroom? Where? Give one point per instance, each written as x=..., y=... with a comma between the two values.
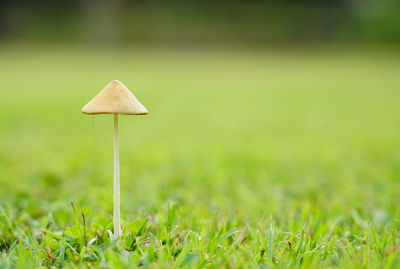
x=115, y=99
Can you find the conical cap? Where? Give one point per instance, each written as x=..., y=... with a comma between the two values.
x=115, y=98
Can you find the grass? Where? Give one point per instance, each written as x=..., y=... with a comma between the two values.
x=248, y=158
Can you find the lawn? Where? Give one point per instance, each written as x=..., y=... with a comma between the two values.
x=249, y=157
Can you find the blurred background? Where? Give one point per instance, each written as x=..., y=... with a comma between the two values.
x=288, y=108
x=202, y=22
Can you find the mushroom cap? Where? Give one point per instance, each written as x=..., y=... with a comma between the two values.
x=115, y=98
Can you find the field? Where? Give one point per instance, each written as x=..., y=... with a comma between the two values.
x=248, y=158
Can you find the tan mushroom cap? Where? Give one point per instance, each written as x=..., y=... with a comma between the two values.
x=115, y=98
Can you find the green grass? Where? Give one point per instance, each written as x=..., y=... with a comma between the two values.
x=248, y=158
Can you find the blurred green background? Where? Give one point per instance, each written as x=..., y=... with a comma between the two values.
x=202, y=22
x=281, y=113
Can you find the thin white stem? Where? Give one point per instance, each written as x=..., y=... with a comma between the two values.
x=117, y=224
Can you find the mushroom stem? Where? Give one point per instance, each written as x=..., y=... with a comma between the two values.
x=117, y=224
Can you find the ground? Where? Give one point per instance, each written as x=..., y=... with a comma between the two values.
x=249, y=157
